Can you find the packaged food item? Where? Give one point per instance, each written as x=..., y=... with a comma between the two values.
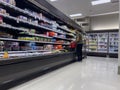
x=1, y=45
x=48, y=47
x=32, y=31
x=35, y=22
x=12, y=2
x=6, y=55
x=15, y=46
x=5, y=35
x=3, y=11
x=23, y=17
x=60, y=41
x=31, y=46
x=1, y=20
x=52, y=34
x=58, y=47
x=27, y=38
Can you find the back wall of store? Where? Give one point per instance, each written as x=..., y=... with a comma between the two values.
x=105, y=22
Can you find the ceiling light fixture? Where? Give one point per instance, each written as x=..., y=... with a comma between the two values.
x=116, y=12
x=97, y=2
x=75, y=15
x=53, y=0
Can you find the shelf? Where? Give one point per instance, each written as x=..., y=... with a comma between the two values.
x=63, y=38
x=113, y=52
x=102, y=51
x=65, y=30
x=93, y=51
x=10, y=52
x=22, y=11
x=22, y=30
x=16, y=40
x=29, y=14
x=70, y=35
x=38, y=35
x=26, y=22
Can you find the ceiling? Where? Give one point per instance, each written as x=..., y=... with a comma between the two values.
x=69, y=7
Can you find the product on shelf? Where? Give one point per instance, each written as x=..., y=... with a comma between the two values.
x=48, y=47
x=31, y=46
x=60, y=41
x=1, y=20
x=35, y=39
x=52, y=34
x=23, y=17
x=54, y=24
x=12, y=2
x=65, y=27
x=1, y=45
x=3, y=11
x=61, y=31
x=6, y=55
x=62, y=36
x=58, y=47
x=27, y=38
x=39, y=16
x=5, y=35
x=32, y=31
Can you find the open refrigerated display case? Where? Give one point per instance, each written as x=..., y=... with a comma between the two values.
x=34, y=36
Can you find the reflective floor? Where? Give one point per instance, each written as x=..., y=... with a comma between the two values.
x=94, y=73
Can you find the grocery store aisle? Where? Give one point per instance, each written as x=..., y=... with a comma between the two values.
x=93, y=73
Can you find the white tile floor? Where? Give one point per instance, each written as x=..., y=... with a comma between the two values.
x=94, y=73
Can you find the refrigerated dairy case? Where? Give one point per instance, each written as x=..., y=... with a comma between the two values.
x=103, y=43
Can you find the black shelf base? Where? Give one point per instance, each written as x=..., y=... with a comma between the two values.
x=19, y=72
x=102, y=54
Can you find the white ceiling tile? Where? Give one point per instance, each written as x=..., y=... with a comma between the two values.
x=69, y=7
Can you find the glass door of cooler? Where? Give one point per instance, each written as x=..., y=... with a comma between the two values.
x=92, y=42
x=113, y=42
x=103, y=42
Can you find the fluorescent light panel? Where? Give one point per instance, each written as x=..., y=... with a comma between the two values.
x=53, y=0
x=97, y=2
x=116, y=12
x=76, y=15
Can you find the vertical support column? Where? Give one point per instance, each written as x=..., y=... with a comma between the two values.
x=119, y=43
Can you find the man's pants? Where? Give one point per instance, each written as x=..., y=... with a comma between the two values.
x=79, y=51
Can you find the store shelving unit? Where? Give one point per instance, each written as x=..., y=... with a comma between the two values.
x=105, y=43
x=5, y=4
x=28, y=34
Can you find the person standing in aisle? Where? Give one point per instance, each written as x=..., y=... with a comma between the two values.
x=79, y=41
